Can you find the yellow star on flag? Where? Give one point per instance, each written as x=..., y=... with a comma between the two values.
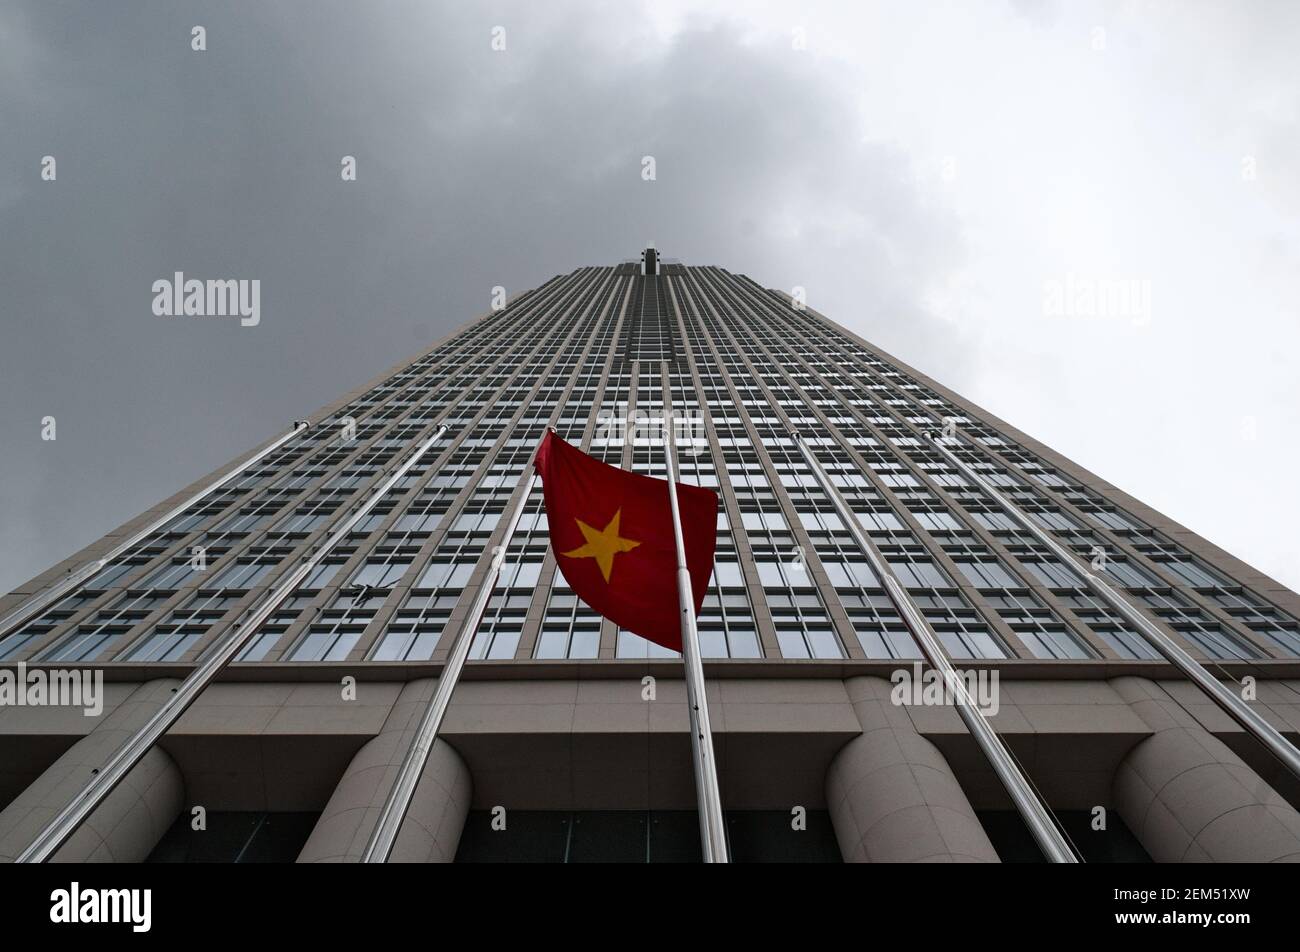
x=602, y=544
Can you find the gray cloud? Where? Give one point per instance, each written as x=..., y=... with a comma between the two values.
x=476, y=168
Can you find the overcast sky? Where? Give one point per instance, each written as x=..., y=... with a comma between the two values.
x=931, y=173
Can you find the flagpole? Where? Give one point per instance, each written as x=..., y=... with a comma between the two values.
x=1231, y=703
x=398, y=801
x=24, y=612
x=1028, y=804
x=105, y=780
x=713, y=835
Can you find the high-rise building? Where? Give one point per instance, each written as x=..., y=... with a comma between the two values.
x=566, y=738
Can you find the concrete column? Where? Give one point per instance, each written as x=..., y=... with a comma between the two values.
x=131, y=820
x=892, y=796
x=431, y=831
x=1188, y=798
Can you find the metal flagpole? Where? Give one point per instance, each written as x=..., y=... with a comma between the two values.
x=65, y=823
x=1233, y=705
x=24, y=612
x=713, y=835
x=398, y=801
x=1031, y=808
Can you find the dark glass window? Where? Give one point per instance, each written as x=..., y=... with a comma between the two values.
x=637, y=836
x=236, y=837
x=1014, y=843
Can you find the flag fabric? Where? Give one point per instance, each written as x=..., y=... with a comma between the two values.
x=612, y=535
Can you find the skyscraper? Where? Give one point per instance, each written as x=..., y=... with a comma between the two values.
x=337, y=564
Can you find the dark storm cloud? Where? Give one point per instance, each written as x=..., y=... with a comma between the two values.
x=475, y=168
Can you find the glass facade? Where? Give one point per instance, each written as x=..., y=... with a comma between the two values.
x=604, y=354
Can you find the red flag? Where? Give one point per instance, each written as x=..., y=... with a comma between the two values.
x=612, y=534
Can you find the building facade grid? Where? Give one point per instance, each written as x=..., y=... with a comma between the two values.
x=604, y=354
